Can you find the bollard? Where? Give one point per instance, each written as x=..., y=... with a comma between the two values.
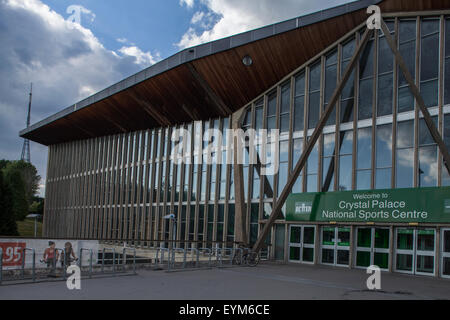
x=24, y=251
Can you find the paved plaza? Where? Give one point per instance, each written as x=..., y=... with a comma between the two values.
x=267, y=281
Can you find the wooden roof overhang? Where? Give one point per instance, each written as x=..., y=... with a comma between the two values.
x=210, y=80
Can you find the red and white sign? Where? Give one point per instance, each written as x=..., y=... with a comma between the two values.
x=12, y=253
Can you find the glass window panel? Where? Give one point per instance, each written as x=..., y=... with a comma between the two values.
x=385, y=56
x=425, y=240
x=282, y=176
x=284, y=122
x=313, y=160
x=429, y=26
x=404, y=262
x=297, y=150
x=272, y=106
x=343, y=257
x=347, y=110
x=330, y=81
x=382, y=238
x=366, y=61
x=311, y=183
x=328, y=236
x=405, y=239
x=365, y=99
x=427, y=166
x=345, y=170
x=347, y=142
x=349, y=88
x=314, y=109
x=300, y=85
x=405, y=134
x=294, y=253
x=363, y=179
x=299, y=106
x=405, y=168
x=308, y=236
x=407, y=30
x=447, y=80
x=258, y=118
x=429, y=57
x=364, y=148
x=328, y=168
x=271, y=123
x=385, y=93
x=328, y=144
x=296, y=235
x=327, y=256
x=383, y=178
x=405, y=100
x=384, y=146
x=314, y=77
x=429, y=92
x=408, y=52
x=348, y=49
x=425, y=136
x=285, y=98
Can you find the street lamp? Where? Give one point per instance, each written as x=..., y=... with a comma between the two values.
x=35, y=216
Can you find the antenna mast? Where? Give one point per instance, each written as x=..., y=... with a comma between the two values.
x=26, y=143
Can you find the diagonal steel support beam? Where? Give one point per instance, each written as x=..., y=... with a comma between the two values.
x=415, y=91
x=312, y=141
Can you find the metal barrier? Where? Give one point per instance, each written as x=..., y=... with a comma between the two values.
x=210, y=254
x=80, y=260
x=24, y=255
x=124, y=258
x=113, y=250
x=174, y=251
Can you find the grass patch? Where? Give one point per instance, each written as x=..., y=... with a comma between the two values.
x=26, y=228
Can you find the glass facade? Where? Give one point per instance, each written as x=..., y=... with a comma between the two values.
x=121, y=186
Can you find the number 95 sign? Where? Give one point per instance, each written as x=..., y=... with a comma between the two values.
x=12, y=253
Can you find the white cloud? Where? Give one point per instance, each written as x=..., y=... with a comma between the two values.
x=65, y=62
x=188, y=3
x=236, y=16
x=197, y=17
x=141, y=57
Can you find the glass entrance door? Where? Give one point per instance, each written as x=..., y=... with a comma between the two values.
x=372, y=247
x=335, y=245
x=445, y=253
x=414, y=251
x=301, y=243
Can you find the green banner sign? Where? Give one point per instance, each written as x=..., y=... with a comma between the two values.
x=387, y=205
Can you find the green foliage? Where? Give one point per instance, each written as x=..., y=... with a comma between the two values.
x=22, y=181
x=8, y=225
x=13, y=179
x=29, y=176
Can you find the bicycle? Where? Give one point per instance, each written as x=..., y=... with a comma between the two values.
x=246, y=256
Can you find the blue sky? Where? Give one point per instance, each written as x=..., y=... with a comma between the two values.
x=68, y=62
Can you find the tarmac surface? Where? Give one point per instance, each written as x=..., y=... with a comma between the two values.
x=265, y=282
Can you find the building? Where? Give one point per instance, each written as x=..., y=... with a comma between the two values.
x=111, y=175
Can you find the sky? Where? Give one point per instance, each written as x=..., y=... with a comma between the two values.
x=71, y=49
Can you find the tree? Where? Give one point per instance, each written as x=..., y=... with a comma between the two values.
x=14, y=181
x=8, y=225
x=29, y=176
